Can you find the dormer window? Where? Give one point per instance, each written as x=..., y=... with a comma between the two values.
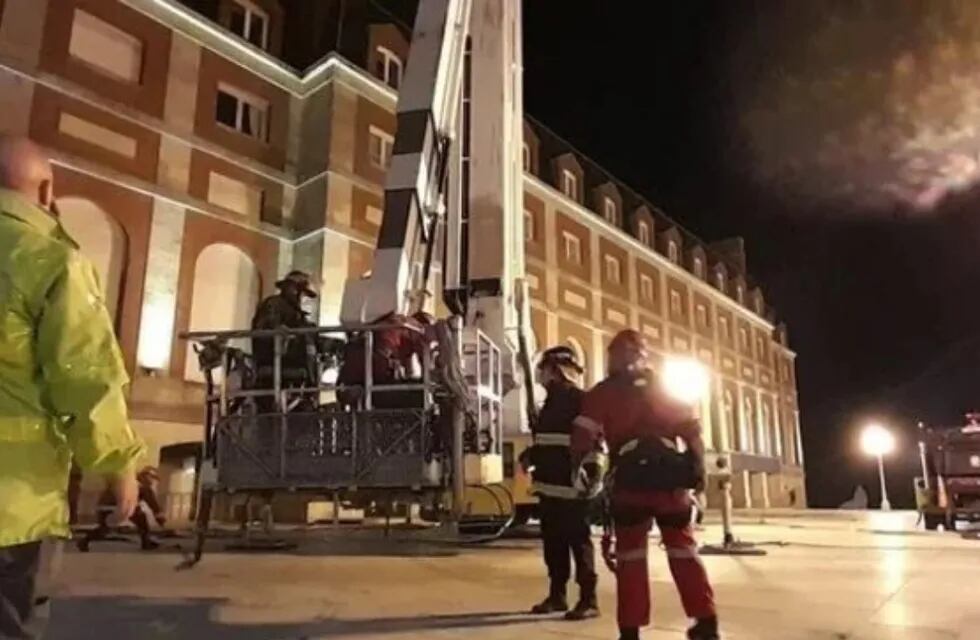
x=250, y=22
x=609, y=211
x=698, y=267
x=389, y=67
x=740, y=294
x=672, y=253
x=758, y=305
x=643, y=232
x=720, y=280
x=569, y=184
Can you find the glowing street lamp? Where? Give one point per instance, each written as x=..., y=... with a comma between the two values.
x=685, y=379
x=878, y=441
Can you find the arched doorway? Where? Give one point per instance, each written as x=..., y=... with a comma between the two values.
x=225, y=293
x=102, y=240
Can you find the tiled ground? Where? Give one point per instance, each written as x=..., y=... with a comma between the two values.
x=823, y=578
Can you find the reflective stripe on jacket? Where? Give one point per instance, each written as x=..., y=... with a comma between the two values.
x=551, y=457
x=62, y=377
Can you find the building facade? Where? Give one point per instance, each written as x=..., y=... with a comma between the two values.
x=195, y=166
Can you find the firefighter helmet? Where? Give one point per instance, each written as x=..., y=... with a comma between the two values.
x=628, y=351
x=300, y=280
x=562, y=357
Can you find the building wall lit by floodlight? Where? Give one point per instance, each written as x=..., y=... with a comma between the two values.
x=189, y=126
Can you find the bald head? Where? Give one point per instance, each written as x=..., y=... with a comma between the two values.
x=24, y=168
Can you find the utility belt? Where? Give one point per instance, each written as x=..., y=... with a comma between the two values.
x=583, y=482
x=648, y=464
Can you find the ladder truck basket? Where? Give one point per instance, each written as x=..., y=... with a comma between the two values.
x=300, y=428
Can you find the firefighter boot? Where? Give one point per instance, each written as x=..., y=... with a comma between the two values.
x=629, y=633
x=554, y=603
x=704, y=629
x=587, y=606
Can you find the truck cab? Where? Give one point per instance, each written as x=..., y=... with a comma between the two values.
x=948, y=490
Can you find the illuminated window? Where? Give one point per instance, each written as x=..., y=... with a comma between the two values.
x=676, y=307
x=698, y=268
x=526, y=157
x=672, y=253
x=646, y=288
x=105, y=48
x=643, y=232
x=739, y=294
x=702, y=313
x=569, y=184
x=528, y=226
x=609, y=211
x=389, y=67
x=613, y=270
x=242, y=111
x=573, y=247
x=250, y=22
x=720, y=280
x=379, y=147
x=758, y=305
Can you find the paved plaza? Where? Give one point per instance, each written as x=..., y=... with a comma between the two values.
x=863, y=576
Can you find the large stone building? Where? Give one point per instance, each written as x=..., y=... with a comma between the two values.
x=195, y=165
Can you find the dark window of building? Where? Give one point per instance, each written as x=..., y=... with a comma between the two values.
x=227, y=110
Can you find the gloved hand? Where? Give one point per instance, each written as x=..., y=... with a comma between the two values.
x=608, y=555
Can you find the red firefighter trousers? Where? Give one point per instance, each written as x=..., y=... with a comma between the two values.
x=633, y=516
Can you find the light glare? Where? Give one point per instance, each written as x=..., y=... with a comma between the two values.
x=685, y=379
x=876, y=440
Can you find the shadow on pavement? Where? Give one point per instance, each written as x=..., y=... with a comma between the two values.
x=97, y=618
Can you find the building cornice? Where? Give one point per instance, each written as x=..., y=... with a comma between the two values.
x=333, y=67
x=598, y=223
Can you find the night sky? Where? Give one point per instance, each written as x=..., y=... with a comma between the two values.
x=837, y=138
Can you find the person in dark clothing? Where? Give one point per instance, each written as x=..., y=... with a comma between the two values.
x=564, y=511
x=147, y=479
x=285, y=311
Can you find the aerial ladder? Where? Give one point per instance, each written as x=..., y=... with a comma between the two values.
x=453, y=197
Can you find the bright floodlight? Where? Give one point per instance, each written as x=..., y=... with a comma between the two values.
x=685, y=379
x=877, y=440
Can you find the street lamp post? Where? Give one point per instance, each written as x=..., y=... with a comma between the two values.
x=878, y=441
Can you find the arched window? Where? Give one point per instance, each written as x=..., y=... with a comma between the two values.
x=698, y=267
x=765, y=420
x=672, y=253
x=747, y=426
x=101, y=240
x=720, y=280
x=226, y=292
x=732, y=427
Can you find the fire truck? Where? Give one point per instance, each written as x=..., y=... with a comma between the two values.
x=948, y=490
x=447, y=436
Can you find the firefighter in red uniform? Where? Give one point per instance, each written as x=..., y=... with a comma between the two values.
x=632, y=414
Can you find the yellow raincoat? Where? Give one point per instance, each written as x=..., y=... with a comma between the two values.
x=62, y=377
